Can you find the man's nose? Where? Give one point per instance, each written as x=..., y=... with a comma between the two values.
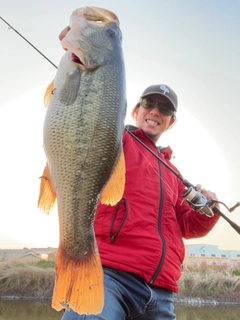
x=155, y=109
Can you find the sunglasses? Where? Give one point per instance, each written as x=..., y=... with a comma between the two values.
x=162, y=107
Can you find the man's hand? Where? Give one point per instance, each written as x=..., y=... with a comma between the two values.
x=63, y=33
x=209, y=195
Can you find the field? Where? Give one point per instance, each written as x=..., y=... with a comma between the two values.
x=209, y=286
x=36, y=280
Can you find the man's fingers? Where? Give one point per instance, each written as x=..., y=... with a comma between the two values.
x=63, y=33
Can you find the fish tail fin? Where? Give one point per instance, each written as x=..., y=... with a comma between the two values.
x=47, y=196
x=48, y=93
x=78, y=284
x=113, y=190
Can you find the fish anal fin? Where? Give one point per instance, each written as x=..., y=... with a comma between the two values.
x=113, y=190
x=47, y=196
x=78, y=284
x=48, y=93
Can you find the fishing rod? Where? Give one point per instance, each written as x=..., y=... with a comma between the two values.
x=28, y=42
x=193, y=197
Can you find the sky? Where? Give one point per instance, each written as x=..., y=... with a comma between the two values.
x=191, y=45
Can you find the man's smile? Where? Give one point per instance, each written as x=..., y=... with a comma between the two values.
x=152, y=122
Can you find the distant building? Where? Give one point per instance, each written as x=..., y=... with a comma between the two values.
x=26, y=254
x=205, y=255
x=196, y=256
x=48, y=253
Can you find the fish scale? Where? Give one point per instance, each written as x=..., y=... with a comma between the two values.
x=82, y=139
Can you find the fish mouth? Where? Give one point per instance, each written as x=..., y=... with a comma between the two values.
x=76, y=55
x=76, y=59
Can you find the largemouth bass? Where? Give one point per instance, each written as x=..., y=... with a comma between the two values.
x=82, y=140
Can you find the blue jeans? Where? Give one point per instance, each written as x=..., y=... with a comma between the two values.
x=127, y=297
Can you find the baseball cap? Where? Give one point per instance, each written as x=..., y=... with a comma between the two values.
x=163, y=90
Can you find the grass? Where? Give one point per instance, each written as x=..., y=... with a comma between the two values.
x=25, y=280
x=218, y=285
x=36, y=281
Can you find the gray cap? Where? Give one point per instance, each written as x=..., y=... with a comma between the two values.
x=163, y=90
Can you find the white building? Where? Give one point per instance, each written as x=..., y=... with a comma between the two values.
x=197, y=255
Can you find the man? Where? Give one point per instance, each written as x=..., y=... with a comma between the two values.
x=140, y=238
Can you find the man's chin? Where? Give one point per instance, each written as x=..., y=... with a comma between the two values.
x=154, y=136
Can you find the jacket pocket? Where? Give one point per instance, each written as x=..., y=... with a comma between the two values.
x=119, y=218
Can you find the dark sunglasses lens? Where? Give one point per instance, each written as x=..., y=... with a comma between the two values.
x=147, y=103
x=165, y=110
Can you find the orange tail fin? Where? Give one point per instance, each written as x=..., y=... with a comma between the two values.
x=78, y=284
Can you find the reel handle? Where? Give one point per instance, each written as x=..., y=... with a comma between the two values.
x=197, y=201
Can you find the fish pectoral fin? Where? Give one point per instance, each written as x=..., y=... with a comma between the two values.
x=48, y=94
x=113, y=190
x=69, y=91
x=47, y=196
x=78, y=284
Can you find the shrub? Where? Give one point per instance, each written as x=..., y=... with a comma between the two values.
x=28, y=281
x=219, y=285
x=44, y=264
x=236, y=272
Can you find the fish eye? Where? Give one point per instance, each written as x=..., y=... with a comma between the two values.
x=111, y=32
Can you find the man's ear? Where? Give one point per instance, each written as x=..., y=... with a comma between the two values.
x=171, y=123
x=136, y=113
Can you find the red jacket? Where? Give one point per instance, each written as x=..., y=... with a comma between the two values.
x=143, y=233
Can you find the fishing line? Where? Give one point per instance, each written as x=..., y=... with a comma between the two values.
x=151, y=165
x=185, y=182
x=10, y=27
x=190, y=186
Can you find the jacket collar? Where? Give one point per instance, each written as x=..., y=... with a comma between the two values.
x=167, y=151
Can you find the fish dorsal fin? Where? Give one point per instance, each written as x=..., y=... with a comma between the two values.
x=113, y=190
x=47, y=196
x=48, y=94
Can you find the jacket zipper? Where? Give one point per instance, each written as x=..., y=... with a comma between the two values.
x=160, y=225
